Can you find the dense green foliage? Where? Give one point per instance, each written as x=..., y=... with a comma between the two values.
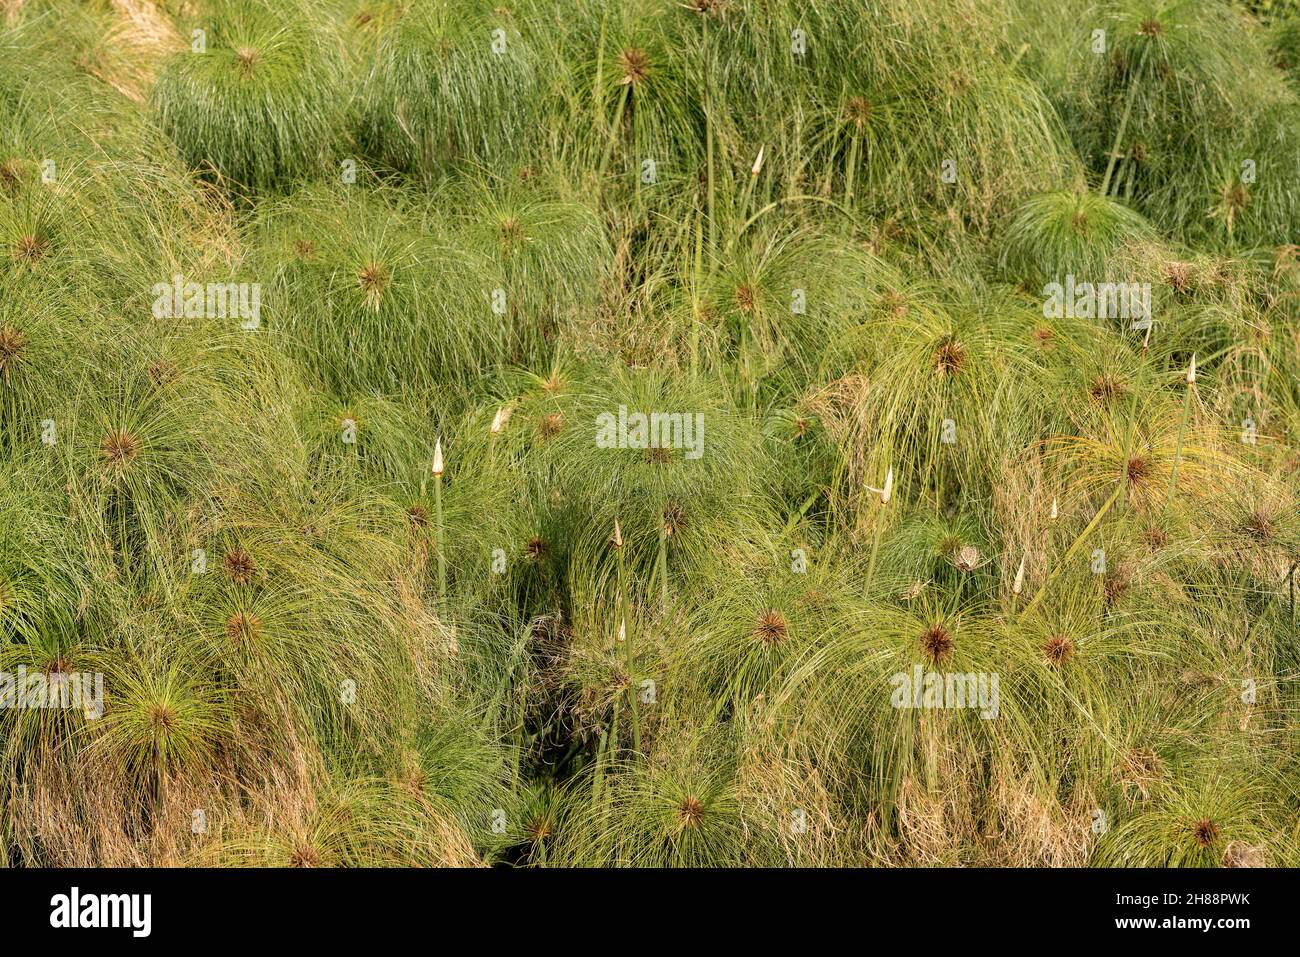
x=323, y=330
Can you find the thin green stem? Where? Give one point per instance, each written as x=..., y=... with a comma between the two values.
x=710, y=208
x=744, y=206
x=1119, y=136
x=1075, y=545
x=439, y=544
x=663, y=567
x=598, y=113
x=521, y=730
x=850, y=173
x=1178, y=451
x=629, y=655
x=598, y=779
x=876, y=535
x=613, y=133
x=611, y=749
x=695, y=293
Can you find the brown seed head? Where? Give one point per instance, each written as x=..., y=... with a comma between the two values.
x=13, y=343
x=1259, y=527
x=538, y=829
x=771, y=627
x=635, y=64
x=1179, y=275
x=674, y=518
x=240, y=566
x=1116, y=583
x=1138, y=470
x=373, y=280
x=1058, y=650
x=161, y=718
x=1105, y=388
x=304, y=855
x=1236, y=197
x=937, y=643
x=551, y=424
x=1139, y=768
x=746, y=298
x=30, y=248
x=511, y=234
x=11, y=174
x=161, y=371
x=857, y=111
x=118, y=448
x=949, y=357
x=243, y=627
x=1155, y=537
x=894, y=303
x=1206, y=832
x=691, y=812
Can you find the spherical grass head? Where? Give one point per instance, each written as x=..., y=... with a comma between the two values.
x=1077, y=233
x=1284, y=42
x=1216, y=808
x=771, y=627
x=686, y=810
x=654, y=450
x=373, y=297
x=262, y=102
x=451, y=81
x=356, y=822
x=937, y=643
x=753, y=620
x=1058, y=649
x=166, y=719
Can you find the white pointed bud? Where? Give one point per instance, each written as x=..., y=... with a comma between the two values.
x=1019, y=583
x=622, y=629
x=758, y=163
x=1055, y=512
x=1191, y=370
x=888, y=490
x=618, y=535
x=498, y=422
x=437, y=458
